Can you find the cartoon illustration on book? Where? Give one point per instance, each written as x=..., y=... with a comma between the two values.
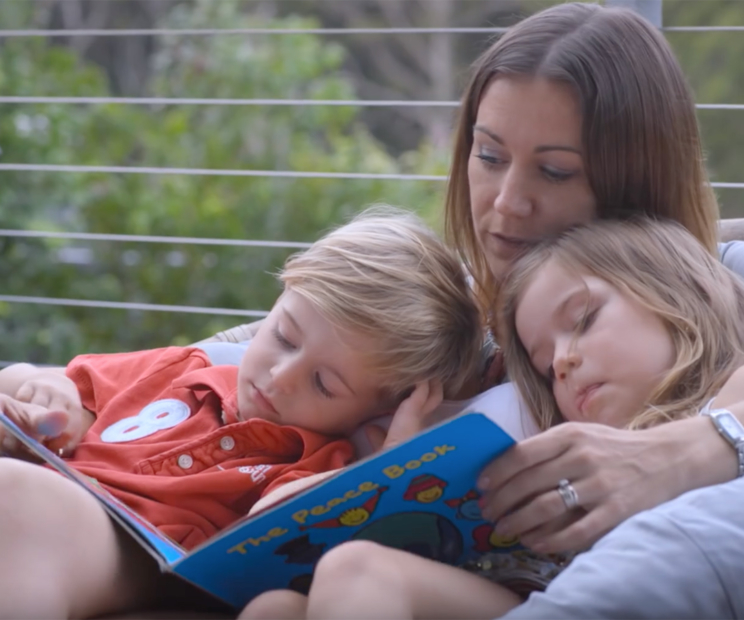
x=467, y=506
x=427, y=534
x=425, y=489
x=300, y=550
x=351, y=517
x=486, y=539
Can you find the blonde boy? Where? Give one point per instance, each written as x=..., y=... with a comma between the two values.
x=375, y=317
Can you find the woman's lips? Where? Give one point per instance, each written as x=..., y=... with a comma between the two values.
x=507, y=247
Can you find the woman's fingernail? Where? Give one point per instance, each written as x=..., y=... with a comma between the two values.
x=483, y=483
x=502, y=529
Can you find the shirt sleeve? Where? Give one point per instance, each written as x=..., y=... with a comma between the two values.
x=100, y=377
x=682, y=559
x=732, y=256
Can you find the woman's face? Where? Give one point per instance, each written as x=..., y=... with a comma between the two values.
x=526, y=170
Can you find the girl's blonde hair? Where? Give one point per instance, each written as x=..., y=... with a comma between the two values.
x=641, y=141
x=387, y=276
x=664, y=268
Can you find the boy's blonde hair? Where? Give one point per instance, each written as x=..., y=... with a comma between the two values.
x=663, y=267
x=387, y=276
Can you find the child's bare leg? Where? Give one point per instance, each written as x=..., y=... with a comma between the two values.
x=364, y=580
x=61, y=556
x=276, y=605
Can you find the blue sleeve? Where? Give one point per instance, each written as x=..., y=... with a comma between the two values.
x=732, y=255
x=683, y=559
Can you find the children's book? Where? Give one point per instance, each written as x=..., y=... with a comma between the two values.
x=419, y=496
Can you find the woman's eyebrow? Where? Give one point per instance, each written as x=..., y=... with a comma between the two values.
x=557, y=147
x=489, y=133
x=539, y=149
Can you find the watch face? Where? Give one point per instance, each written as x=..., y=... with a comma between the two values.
x=731, y=426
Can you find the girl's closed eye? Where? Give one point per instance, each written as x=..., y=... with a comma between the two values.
x=322, y=388
x=586, y=320
x=286, y=344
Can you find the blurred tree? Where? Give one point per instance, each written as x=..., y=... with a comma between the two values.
x=271, y=138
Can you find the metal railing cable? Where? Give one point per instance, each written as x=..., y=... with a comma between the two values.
x=125, y=305
x=197, y=101
x=154, y=32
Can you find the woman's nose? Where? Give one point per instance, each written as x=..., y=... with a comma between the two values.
x=513, y=199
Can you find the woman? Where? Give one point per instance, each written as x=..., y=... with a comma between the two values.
x=582, y=112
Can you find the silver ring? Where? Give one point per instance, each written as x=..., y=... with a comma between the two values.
x=568, y=494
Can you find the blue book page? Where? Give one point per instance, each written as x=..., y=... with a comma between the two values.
x=419, y=496
x=164, y=550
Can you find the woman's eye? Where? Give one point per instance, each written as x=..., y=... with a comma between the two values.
x=489, y=159
x=319, y=384
x=556, y=175
x=282, y=340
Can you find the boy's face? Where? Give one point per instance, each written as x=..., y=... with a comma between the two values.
x=300, y=370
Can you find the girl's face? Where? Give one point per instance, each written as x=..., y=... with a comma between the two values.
x=526, y=170
x=604, y=352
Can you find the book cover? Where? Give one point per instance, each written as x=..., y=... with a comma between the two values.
x=419, y=496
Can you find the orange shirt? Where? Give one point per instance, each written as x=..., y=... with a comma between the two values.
x=168, y=443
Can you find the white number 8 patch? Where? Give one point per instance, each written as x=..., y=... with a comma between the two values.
x=157, y=416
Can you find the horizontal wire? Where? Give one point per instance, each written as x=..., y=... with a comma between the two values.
x=150, y=32
x=152, y=239
x=220, y=172
x=248, y=173
x=120, y=305
x=271, y=102
x=229, y=102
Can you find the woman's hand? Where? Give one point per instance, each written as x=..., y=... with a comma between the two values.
x=616, y=474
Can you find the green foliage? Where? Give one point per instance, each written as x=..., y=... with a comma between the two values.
x=311, y=138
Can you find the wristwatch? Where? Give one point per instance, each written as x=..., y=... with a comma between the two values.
x=730, y=429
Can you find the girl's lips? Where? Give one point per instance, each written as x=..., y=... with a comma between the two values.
x=584, y=395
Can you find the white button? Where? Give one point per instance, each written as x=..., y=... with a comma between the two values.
x=227, y=443
x=185, y=461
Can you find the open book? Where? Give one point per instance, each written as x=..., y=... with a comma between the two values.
x=419, y=496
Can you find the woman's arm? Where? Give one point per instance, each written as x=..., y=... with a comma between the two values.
x=731, y=229
x=616, y=474
x=239, y=333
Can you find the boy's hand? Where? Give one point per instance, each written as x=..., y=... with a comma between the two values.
x=51, y=390
x=410, y=418
x=34, y=420
x=64, y=422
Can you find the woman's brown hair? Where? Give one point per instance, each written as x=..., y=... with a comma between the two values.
x=664, y=268
x=641, y=141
